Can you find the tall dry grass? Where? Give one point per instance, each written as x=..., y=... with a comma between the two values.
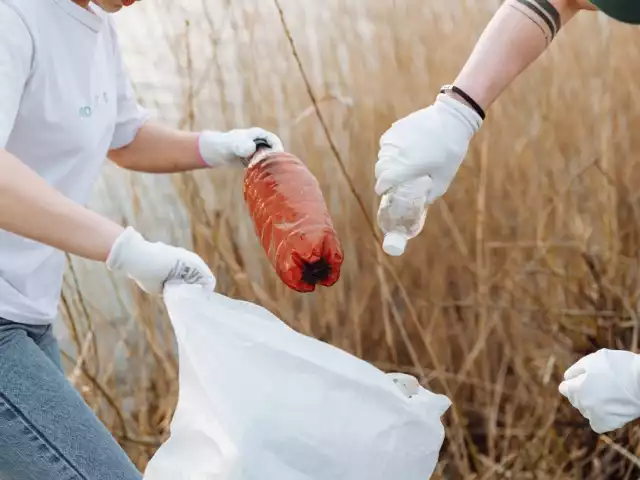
x=529, y=262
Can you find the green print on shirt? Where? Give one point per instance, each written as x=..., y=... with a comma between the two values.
x=88, y=110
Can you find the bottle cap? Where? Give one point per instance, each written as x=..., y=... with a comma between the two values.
x=394, y=244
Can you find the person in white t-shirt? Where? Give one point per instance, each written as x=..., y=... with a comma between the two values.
x=66, y=104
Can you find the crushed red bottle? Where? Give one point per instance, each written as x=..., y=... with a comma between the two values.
x=291, y=220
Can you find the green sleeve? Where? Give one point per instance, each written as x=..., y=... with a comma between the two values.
x=627, y=11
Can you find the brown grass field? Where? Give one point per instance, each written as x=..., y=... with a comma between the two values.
x=529, y=261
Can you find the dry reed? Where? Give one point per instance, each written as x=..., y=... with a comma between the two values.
x=528, y=263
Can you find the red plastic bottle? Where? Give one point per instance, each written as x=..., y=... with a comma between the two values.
x=291, y=220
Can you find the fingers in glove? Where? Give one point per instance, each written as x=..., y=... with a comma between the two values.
x=600, y=427
x=571, y=390
x=577, y=369
x=609, y=423
x=564, y=389
x=255, y=134
x=572, y=386
x=574, y=400
x=392, y=178
x=389, y=175
x=274, y=141
x=191, y=270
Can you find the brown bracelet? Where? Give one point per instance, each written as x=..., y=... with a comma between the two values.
x=472, y=103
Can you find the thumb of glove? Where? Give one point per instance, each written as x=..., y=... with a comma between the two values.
x=388, y=178
x=245, y=142
x=563, y=388
x=244, y=146
x=570, y=387
x=577, y=369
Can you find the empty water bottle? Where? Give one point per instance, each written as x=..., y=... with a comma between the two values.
x=402, y=213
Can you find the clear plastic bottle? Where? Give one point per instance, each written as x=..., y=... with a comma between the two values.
x=402, y=214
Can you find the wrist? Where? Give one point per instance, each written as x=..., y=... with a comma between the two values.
x=465, y=115
x=457, y=98
x=125, y=241
x=111, y=237
x=213, y=148
x=199, y=155
x=463, y=97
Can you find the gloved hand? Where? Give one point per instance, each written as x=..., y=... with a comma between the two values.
x=430, y=142
x=152, y=264
x=605, y=387
x=232, y=147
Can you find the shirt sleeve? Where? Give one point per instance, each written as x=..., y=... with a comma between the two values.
x=131, y=115
x=16, y=59
x=627, y=11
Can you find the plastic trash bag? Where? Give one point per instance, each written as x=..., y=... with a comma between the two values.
x=260, y=401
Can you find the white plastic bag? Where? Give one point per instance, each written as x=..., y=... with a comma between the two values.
x=260, y=401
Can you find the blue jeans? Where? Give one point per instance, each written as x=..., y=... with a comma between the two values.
x=47, y=431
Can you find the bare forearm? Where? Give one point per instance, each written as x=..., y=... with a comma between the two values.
x=159, y=149
x=519, y=32
x=31, y=208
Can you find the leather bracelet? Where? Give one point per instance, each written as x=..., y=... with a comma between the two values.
x=472, y=103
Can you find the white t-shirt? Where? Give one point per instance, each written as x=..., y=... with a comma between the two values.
x=65, y=100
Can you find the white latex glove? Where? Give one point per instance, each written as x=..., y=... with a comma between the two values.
x=605, y=387
x=153, y=264
x=232, y=147
x=430, y=142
